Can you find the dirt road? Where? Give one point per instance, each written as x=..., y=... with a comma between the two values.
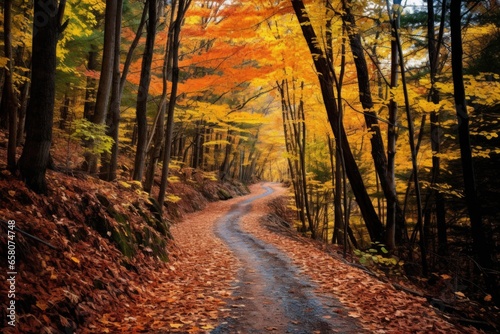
x=271, y=294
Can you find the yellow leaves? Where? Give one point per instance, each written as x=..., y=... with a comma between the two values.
x=207, y=327
x=247, y=118
x=75, y=259
x=124, y=184
x=173, y=198
x=3, y=61
x=216, y=142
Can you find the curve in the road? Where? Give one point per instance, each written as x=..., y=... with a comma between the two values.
x=271, y=294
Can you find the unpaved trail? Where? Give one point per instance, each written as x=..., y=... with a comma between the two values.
x=271, y=295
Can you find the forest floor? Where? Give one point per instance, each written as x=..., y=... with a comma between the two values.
x=231, y=274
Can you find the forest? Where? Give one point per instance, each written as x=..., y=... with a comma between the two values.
x=380, y=117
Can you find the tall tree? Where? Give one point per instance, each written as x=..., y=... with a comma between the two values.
x=47, y=27
x=182, y=7
x=106, y=77
x=481, y=244
x=104, y=88
x=143, y=93
x=433, y=45
x=110, y=162
x=390, y=238
x=10, y=96
x=159, y=123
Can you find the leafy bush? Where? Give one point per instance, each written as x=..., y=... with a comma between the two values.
x=93, y=136
x=378, y=256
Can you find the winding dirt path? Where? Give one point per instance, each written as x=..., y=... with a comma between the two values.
x=271, y=294
x=229, y=274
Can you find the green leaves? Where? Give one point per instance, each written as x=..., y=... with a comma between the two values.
x=93, y=136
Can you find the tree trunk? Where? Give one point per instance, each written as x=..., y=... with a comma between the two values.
x=159, y=126
x=392, y=132
x=481, y=244
x=89, y=105
x=104, y=89
x=133, y=46
x=142, y=96
x=40, y=113
x=22, y=111
x=224, y=168
x=183, y=5
x=105, y=79
x=64, y=109
x=110, y=161
x=10, y=96
x=433, y=47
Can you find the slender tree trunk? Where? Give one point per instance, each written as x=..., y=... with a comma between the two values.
x=336, y=166
x=64, y=109
x=392, y=131
x=142, y=96
x=291, y=144
x=104, y=89
x=22, y=111
x=105, y=79
x=183, y=5
x=301, y=137
x=159, y=127
x=40, y=113
x=89, y=105
x=110, y=161
x=10, y=97
x=224, y=169
x=433, y=47
x=481, y=244
x=413, y=154
x=133, y=46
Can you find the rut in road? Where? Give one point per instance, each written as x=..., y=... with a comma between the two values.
x=270, y=293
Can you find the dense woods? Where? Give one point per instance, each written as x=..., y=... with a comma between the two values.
x=381, y=116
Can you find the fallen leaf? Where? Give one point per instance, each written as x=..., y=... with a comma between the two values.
x=42, y=305
x=207, y=327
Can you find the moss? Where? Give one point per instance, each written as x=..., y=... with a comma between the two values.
x=224, y=194
x=125, y=245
